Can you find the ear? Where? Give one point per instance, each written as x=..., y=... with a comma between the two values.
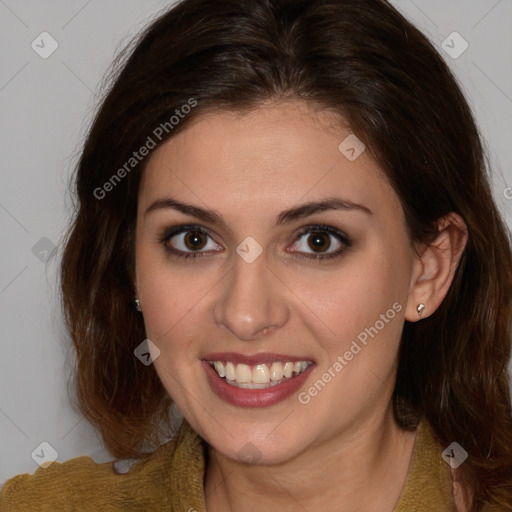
x=435, y=265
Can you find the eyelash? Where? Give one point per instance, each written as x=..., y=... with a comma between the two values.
x=315, y=228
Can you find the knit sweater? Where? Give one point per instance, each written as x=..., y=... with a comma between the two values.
x=171, y=480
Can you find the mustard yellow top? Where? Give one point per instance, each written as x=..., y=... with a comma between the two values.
x=171, y=480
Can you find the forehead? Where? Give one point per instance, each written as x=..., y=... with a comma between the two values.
x=265, y=159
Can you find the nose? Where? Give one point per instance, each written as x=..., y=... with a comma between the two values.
x=252, y=300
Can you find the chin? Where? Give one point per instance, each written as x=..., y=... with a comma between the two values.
x=256, y=446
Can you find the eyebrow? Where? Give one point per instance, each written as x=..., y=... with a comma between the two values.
x=284, y=217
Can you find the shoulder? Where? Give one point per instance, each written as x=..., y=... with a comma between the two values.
x=81, y=484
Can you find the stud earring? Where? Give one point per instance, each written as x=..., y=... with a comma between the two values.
x=137, y=304
x=420, y=309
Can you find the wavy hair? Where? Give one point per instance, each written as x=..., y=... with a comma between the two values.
x=365, y=61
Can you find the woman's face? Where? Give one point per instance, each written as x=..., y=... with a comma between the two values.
x=241, y=195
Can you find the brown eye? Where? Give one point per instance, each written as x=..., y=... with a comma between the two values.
x=189, y=241
x=195, y=240
x=318, y=241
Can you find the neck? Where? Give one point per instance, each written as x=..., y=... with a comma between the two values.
x=361, y=468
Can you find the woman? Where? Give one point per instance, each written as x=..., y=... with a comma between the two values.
x=284, y=227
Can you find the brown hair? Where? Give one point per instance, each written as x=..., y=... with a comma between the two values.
x=362, y=59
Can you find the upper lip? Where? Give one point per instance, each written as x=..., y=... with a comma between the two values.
x=254, y=359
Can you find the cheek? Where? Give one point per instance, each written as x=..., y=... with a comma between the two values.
x=361, y=319
x=170, y=308
x=175, y=300
x=353, y=297
x=164, y=295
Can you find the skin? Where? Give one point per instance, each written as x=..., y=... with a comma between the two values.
x=248, y=168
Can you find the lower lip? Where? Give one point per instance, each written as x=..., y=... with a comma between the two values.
x=254, y=397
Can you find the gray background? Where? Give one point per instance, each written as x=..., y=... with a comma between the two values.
x=46, y=106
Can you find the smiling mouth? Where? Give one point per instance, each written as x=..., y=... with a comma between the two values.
x=259, y=376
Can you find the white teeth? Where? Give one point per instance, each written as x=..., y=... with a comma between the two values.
x=243, y=373
x=288, y=370
x=230, y=371
x=259, y=376
x=251, y=385
x=220, y=368
x=276, y=371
